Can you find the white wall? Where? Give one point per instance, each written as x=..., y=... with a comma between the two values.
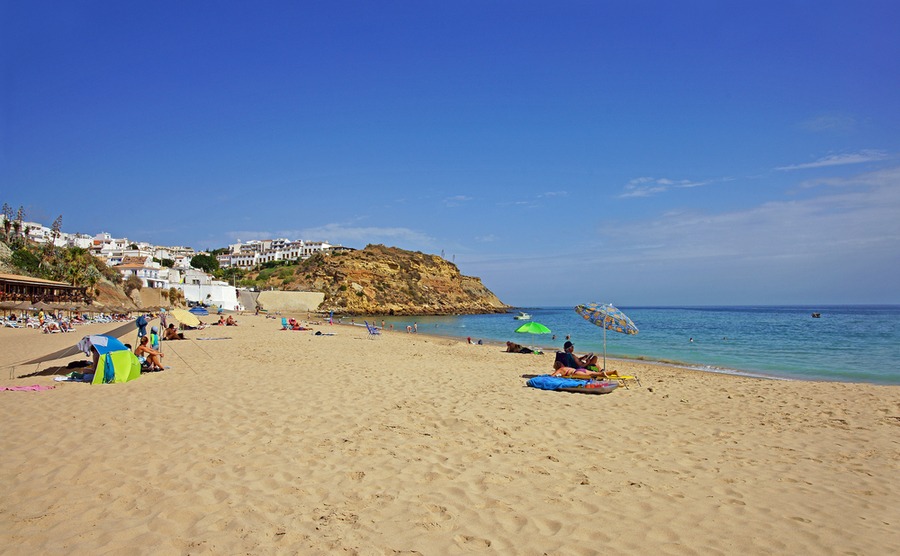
x=220, y=294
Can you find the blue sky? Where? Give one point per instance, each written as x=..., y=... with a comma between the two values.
x=639, y=153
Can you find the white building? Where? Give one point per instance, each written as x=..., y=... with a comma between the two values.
x=253, y=253
x=200, y=287
x=109, y=249
x=152, y=275
x=173, y=253
x=82, y=241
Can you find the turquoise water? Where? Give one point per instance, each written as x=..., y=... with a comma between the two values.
x=847, y=344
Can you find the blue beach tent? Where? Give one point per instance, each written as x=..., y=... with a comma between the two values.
x=199, y=311
x=116, y=362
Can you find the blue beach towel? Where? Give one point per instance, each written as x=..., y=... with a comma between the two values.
x=547, y=382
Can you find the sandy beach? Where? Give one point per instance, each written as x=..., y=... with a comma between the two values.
x=261, y=441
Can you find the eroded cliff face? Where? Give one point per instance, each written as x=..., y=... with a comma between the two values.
x=381, y=280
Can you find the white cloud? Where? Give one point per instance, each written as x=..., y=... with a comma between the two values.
x=456, y=200
x=829, y=122
x=856, y=222
x=838, y=244
x=647, y=187
x=839, y=160
x=887, y=178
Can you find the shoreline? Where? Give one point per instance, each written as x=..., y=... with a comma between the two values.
x=706, y=369
x=812, y=350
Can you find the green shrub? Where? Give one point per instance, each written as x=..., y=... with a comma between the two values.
x=26, y=260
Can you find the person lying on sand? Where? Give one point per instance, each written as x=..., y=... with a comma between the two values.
x=559, y=369
x=517, y=348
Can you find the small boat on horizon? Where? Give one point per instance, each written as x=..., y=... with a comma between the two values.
x=816, y=315
x=522, y=316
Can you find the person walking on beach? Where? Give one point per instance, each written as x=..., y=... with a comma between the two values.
x=141, y=323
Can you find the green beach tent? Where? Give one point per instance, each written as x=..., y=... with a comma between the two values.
x=116, y=362
x=119, y=366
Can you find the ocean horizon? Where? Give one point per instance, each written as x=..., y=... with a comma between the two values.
x=847, y=343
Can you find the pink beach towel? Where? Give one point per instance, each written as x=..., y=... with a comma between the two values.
x=32, y=388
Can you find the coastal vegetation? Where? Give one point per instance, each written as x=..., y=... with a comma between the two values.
x=73, y=265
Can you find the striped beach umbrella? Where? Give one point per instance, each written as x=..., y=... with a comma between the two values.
x=607, y=317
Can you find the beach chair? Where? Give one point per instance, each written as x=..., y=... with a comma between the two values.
x=623, y=380
x=373, y=330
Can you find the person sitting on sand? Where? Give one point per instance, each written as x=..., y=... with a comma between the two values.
x=221, y=321
x=145, y=353
x=230, y=321
x=569, y=359
x=172, y=334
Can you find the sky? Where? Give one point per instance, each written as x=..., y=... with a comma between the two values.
x=639, y=153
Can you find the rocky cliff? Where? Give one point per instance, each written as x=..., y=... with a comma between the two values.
x=381, y=280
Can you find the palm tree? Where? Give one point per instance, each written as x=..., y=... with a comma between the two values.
x=91, y=276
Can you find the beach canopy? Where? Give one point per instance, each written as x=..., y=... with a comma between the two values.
x=199, y=311
x=74, y=350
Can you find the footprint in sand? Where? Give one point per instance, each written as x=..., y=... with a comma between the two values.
x=438, y=517
x=470, y=541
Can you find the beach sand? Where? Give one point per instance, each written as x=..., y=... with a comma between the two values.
x=269, y=441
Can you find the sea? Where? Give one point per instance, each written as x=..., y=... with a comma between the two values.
x=846, y=343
